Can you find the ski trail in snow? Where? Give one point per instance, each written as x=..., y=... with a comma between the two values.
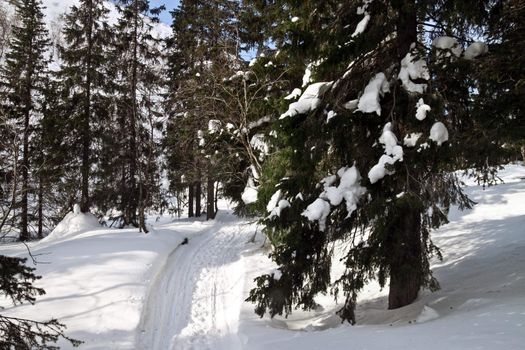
x=196, y=300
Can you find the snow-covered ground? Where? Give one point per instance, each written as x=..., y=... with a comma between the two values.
x=120, y=289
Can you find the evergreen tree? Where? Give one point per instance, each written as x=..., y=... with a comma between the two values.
x=86, y=83
x=23, y=77
x=138, y=59
x=203, y=50
x=367, y=154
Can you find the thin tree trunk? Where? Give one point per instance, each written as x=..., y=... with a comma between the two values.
x=198, y=196
x=210, y=198
x=191, y=193
x=86, y=134
x=24, y=234
x=40, y=206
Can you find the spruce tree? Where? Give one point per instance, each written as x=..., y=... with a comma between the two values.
x=368, y=153
x=86, y=84
x=203, y=51
x=22, y=77
x=138, y=65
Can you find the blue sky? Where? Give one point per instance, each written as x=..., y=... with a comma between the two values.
x=170, y=4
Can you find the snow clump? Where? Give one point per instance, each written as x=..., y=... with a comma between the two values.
x=393, y=153
x=412, y=69
x=422, y=109
x=447, y=43
x=309, y=100
x=369, y=101
x=439, y=133
x=475, y=49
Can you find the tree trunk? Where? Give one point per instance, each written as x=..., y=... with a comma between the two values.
x=191, y=193
x=198, y=195
x=210, y=199
x=405, y=233
x=40, y=207
x=24, y=234
x=86, y=134
x=405, y=266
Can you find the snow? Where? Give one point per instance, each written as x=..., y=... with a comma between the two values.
x=412, y=69
x=283, y=203
x=274, y=201
x=369, y=102
x=259, y=143
x=250, y=194
x=120, y=289
x=410, y=140
x=318, y=211
x=422, y=109
x=330, y=115
x=475, y=49
x=393, y=153
x=294, y=94
x=361, y=26
x=351, y=105
x=309, y=100
x=439, y=133
x=295, y=19
x=449, y=44
x=73, y=224
x=214, y=126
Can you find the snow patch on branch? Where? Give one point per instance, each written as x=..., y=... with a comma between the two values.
x=475, y=49
x=448, y=44
x=309, y=100
x=349, y=190
x=412, y=69
x=439, y=133
x=422, y=109
x=393, y=153
x=369, y=102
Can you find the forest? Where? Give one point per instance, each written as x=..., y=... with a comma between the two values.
x=353, y=123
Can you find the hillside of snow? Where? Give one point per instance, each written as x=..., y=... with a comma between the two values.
x=120, y=289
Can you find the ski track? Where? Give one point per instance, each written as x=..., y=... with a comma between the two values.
x=195, y=301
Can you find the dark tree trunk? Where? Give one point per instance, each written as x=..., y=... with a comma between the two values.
x=191, y=194
x=40, y=207
x=24, y=233
x=86, y=134
x=198, y=196
x=405, y=266
x=405, y=234
x=210, y=199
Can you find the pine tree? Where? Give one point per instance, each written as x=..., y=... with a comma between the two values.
x=367, y=154
x=23, y=79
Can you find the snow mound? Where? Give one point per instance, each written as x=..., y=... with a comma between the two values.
x=73, y=224
x=427, y=314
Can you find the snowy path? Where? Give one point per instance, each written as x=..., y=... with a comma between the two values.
x=196, y=299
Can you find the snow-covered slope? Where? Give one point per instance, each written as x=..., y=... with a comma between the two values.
x=119, y=289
